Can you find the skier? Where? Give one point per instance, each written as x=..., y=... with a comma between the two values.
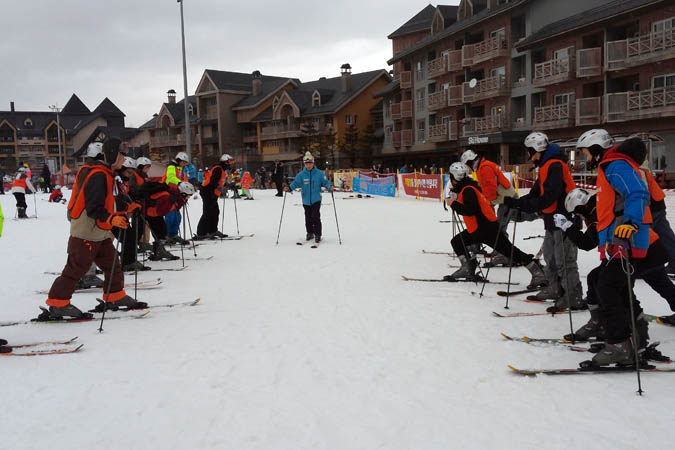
x=278, y=177
x=310, y=180
x=624, y=237
x=173, y=176
x=465, y=198
x=212, y=188
x=136, y=180
x=56, y=196
x=19, y=186
x=246, y=182
x=92, y=216
x=46, y=175
x=124, y=202
x=548, y=197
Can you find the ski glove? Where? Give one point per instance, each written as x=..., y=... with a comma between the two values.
x=511, y=203
x=118, y=221
x=562, y=222
x=626, y=230
x=133, y=206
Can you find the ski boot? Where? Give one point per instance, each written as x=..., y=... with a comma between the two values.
x=135, y=267
x=620, y=354
x=218, y=235
x=4, y=348
x=467, y=270
x=143, y=247
x=309, y=236
x=62, y=312
x=498, y=260
x=159, y=253
x=88, y=282
x=21, y=212
x=125, y=303
x=547, y=293
x=538, y=275
x=592, y=328
x=317, y=238
x=177, y=240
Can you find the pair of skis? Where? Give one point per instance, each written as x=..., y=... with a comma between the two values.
x=456, y=280
x=142, y=286
x=55, y=351
x=314, y=245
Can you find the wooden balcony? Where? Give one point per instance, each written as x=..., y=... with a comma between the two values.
x=495, y=86
x=554, y=116
x=437, y=67
x=438, y=100
x=251, y=139
x=485, y=50
x=396, y=111
x=553, y=71
x=280, y=132
x=446, y=131
x=406, y=109
x=644, y=49
x=648, y=104
x=455, y=95
x=173, y=140
x=589, y=62
x=396, y=138
x=454, y=61
x=406, y=79
x=407, y=138
x=484, y=125
x=589, y=111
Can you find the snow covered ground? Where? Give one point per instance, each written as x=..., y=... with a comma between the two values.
x=296, y=348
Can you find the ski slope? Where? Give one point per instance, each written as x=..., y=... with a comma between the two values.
x=300, y=348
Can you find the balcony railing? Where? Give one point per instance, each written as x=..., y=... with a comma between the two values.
x=647, y=104
x=446, y=131
x=494, y=86
x=396, y=111
x=489, y=124
x=406, y=79
x=438, y=100
x=554, y=116
x=589, y=62
x=280, y=131
x=407, y=138
x=455, y=95
x=406, y=108
x=396, y=138
x=437, y=67
x=647, y=48
x=553, y=71
x=454, y=60
x=589, y=111
x=210, y=113
x=485, y=50
x=172, y=140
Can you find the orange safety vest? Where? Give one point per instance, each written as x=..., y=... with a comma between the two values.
x=19, y=182
x=485, y=208
x=495, y=173
x=567, y=179
x=209, y=174
x=139, y=179
x=77, y=201
x=151, y=210
x=655, y=190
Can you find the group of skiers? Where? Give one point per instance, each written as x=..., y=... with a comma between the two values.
x=625, y=220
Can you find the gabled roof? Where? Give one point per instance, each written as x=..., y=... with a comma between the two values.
x=108, y=108
x=583, y=19
x=264, y=116
x=177, y=110
x=237, y=81
x=152, y=123
x=270, y=85
x=391, y=87
x=419, y=22
x=456, y=28
x=449, y=13
x=75, y=106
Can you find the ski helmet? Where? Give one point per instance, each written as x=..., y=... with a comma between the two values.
x=227, y=159
x=182, y=156
x=57, y=187
x=129, y=163
x=575, y=198
x=536, y=142
x=458, y=171
x=186, y=188
x=467, y=156
x=94, y=150
x=111, y=149
x=143, y=161
x=597, y=136
x=308, y=158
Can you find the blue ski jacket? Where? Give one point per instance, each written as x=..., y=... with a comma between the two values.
x=310, y=181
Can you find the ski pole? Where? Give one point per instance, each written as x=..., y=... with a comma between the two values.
x=135, y=231
x=222, y=220
x=182, y=253
x=187, y=216
x=236, y=216
x=494, y=249
x=336, y=218
x=567, y=283
x=110, y=279
x=628, y=269
x=35, y=204
x=508, y=285
x=282, y=216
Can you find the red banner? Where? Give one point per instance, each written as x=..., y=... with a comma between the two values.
x=427, y=186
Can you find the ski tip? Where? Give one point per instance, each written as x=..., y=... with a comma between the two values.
x=512, y=368
x=404, y=277
x=196, y=301
x=508, y=338
x=496, y=314
x=77, y=349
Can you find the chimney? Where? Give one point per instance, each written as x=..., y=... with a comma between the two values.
x=11, y=106
x=346, y=71
x=256, y=83
x=172, y=96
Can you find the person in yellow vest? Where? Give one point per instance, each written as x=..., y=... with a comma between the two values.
x=465, y=198
x=19, y=186
x=548, y=197
x=173, y=176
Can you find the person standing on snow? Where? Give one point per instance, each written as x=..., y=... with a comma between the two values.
x=92, y=216
x=4, y=348
x=212, y=188
x=310, y=180
x=465, y=198
x=19, y=186
x=548, y=197
x=278, y=177
x=173, y=176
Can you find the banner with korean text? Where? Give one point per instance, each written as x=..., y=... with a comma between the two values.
x=385, y=186
x=420, y=185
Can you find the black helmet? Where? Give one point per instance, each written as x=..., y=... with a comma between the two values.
x=111, y=147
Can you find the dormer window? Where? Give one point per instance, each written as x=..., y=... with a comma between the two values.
x=316, y=99
x=190, y=109
x=28, y=123
x=275, y=102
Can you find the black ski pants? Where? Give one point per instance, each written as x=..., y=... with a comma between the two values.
x=158, y=227
x=20, y=200
x=208, y=223
x=313, y=218
x=126, y=237
x=486, y=233
x=279, y=182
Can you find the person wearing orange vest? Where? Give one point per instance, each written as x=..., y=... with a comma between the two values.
x=92, y=216
x=213, y=187
x=547, y=197
x=246, y=182
x=173, y=176
x=19, y=186
x=466, y=199
x=660, y=224
x=625, y=241
x=136, y=180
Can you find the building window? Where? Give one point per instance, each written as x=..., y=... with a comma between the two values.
x=28, y=123
x=664, y=81
x=497, y=110
x=500, y=32
x=316, y=99
x=275, y=102
x=316, y=123
x=564, y=99
x=662, y=25
x=419, y=71
x=348, y=119
x=498, y=71
x=562, y=53
x=211, y=101
x=421, y=131
x=387, y=135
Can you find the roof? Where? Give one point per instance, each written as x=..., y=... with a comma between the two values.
x=75, y=106
x=152, y=123
x=456, y=28
x=264, y=116
x=583, y=19
x=123, y=133
x=448, y=12
x=108, y=108
x=391, y=87
x=419, y=22
x=238, y=81
x=177, y=110
x=269, y=86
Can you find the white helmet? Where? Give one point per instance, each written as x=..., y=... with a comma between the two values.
x=22, y=170
x=536, y=141
x=597, y=136
x=94, y=149
x=226, y=158
x=57, y=187
x=186, y=188
x=143, y=161
x=458, y=170
x=129, y=163
x=182, y=156
x=467, y=156
x=576, y=197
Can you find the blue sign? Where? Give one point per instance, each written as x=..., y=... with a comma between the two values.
x=378, y=186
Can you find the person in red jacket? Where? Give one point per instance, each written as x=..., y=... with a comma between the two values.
x=246, y=182
x=56, y=195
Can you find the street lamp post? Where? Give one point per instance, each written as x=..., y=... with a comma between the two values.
x=57, y=110
x=188, y=143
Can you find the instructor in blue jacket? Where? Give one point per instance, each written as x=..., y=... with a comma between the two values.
x=310, y=180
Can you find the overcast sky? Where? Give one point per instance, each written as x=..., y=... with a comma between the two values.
x=130, y=50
